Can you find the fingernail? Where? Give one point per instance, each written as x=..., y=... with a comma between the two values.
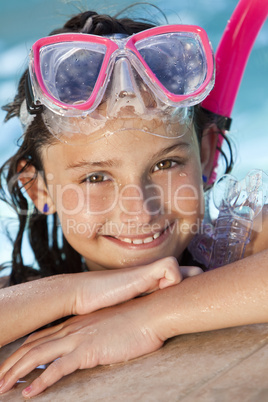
x=27, y=390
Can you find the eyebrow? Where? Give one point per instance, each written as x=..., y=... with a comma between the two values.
x=165, y=151
x=87, y=164
x=110, y=163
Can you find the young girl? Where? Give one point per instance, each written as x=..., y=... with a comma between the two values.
x=117, y=161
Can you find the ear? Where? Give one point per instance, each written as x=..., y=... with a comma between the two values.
x=208, y=148
x=35, y=187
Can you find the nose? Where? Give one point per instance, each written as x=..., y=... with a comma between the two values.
x=123, y=90
x=139, y=203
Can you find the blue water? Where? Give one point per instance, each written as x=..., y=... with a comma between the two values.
x=23, y=22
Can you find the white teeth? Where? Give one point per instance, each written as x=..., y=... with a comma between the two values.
x=127, y=240
x=148, y=240
x=141, y=241
x=137, y=241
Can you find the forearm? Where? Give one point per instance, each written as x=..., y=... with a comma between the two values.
x=28, y=306
x=233, y=295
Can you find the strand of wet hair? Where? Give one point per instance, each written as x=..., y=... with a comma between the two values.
x=143, y=3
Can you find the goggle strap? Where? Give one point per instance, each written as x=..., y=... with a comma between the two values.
x=223, y=122
x=31, y=106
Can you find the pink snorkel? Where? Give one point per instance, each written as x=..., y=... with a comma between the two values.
x=231, y=59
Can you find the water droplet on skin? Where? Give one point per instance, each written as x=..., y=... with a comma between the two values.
x=50, y=176
x=144, y=331
x=183, y=174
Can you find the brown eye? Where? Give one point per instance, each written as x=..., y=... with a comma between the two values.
x=96, y=178
x=163, y=165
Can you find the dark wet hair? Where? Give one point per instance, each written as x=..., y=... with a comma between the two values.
x=52, y=252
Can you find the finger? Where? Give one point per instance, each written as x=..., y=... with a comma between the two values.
x=31, y=342
x=43, y=333
x=159, y=275
x=55, y=371
x=171, y=274
x=40, y=354
x=190, y=271
x=12, y=359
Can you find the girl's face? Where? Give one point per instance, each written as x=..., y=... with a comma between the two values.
x=128, y=199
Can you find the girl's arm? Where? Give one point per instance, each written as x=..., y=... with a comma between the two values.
x=233, y=295
x=29, y=306
x=236, y=294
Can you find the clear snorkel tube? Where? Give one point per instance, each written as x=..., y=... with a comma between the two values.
x=238, y=203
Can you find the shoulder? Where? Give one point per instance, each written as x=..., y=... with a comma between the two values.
x=259, y=237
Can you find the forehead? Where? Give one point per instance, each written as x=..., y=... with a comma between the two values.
x=128, y=145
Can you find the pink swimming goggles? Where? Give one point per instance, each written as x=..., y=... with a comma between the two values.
x=69, y=73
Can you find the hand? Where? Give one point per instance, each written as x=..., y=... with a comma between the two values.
x=82, y=342
x=101, y=289
x=112, y=335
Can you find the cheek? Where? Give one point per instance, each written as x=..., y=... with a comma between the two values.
x=79, y=226
x=83, y=213
x=70, y=200
x=74, y=200
x=188, y=195
x=188, y=200
x=182, y=193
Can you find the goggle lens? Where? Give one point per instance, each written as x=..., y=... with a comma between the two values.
x=176, y=60
x=70, y=70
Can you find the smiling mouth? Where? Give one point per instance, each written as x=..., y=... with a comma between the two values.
x=144, y=239
x=149, y=239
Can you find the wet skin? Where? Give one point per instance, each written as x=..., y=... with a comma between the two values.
x=120, y=207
